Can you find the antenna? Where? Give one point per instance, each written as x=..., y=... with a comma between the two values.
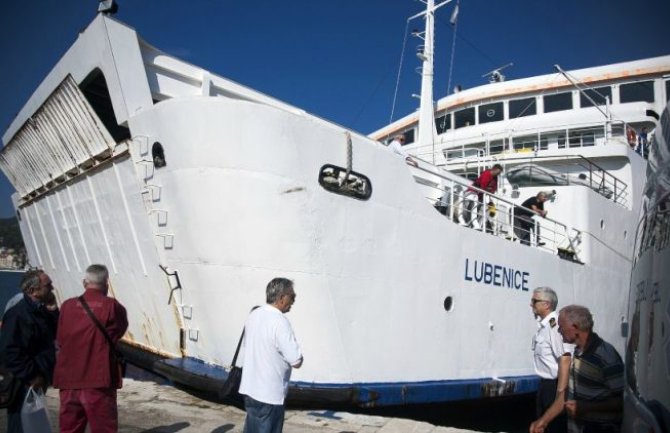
x=107, y=7
x=495, y=76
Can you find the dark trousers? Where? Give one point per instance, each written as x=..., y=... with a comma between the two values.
x=546, y=394
x=14, y=412
x=263, y=417
x=522, y=228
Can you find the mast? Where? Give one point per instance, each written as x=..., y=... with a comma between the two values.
x=427, y=130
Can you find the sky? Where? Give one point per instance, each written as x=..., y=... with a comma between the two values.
x=337, y=59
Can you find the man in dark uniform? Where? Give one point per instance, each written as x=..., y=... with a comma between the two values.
x=27, y=340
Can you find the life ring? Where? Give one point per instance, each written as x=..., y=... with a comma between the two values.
x=631, y=136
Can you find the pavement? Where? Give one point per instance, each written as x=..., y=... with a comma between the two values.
x=149, y=407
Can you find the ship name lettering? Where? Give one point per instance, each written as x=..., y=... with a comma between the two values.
x=496, y=275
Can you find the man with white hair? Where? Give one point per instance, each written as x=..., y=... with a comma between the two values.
x=87, y=372
x=552, y=362
x=396, y=147
x=270, y=353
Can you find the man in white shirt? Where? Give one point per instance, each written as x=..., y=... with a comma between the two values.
x=551, y=358
x=270, y=353
x=396, y=147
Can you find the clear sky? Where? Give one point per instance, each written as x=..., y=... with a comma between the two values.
x=337, y=59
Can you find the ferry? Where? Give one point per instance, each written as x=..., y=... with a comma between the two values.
x=647, y=354
x=196, y=191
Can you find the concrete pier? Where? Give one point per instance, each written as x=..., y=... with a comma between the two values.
x=148, y=407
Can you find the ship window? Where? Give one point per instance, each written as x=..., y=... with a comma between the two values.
x=635, y=92
x=522, y=107
x=464, y=117
x=443, y=123
x=158, y=155
x=334, y=179
x=558, y=102
x=598, y=95
x=495, y=147
x=409, y=137
x=526, y=143
x=94, y=88
x=491, y=112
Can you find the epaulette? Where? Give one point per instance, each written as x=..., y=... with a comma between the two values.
x=552, y=322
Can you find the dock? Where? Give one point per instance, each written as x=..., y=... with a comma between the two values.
x=150, y=407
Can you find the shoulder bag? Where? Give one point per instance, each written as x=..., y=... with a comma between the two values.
x=231, y=387
x=116, y=361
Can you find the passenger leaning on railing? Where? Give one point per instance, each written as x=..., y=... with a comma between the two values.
x=523, y=217
x=487, y=181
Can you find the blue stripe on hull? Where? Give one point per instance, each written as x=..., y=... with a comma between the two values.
x=196, y=372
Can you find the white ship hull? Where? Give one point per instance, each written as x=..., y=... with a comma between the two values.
x=239, y=202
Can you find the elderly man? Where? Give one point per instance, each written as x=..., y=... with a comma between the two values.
x=396, y=147
x=86, y=369
x=595, y=392
x=552, y=363
x=270, y=352
x=27, y=340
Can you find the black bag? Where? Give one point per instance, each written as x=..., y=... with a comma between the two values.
x=230, y=390
x=9, y=387
x=231, y=387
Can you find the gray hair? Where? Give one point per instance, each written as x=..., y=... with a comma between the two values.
x=548, y=295
x=579, y=316
x=30, y=280
x=276, y=288
x=96, y=274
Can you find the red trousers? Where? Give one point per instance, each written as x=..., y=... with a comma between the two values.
x=96, y=407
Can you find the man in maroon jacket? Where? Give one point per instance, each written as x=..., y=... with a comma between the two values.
x=487, y=181
x=86, y=371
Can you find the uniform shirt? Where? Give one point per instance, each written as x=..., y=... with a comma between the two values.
x=83, y=360
x=548, y=347
x=596, y=374
x=270, y=348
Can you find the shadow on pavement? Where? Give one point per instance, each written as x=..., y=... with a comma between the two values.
x=168, y=428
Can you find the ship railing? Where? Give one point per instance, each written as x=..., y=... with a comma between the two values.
x=459, y=202
x=579, y=170
x=587, y=173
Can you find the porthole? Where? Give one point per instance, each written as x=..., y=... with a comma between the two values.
x=158, y=155
x=625, y=234
x=448, y=303
x=602, y=224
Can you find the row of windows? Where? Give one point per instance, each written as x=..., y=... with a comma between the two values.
x=641, y=91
